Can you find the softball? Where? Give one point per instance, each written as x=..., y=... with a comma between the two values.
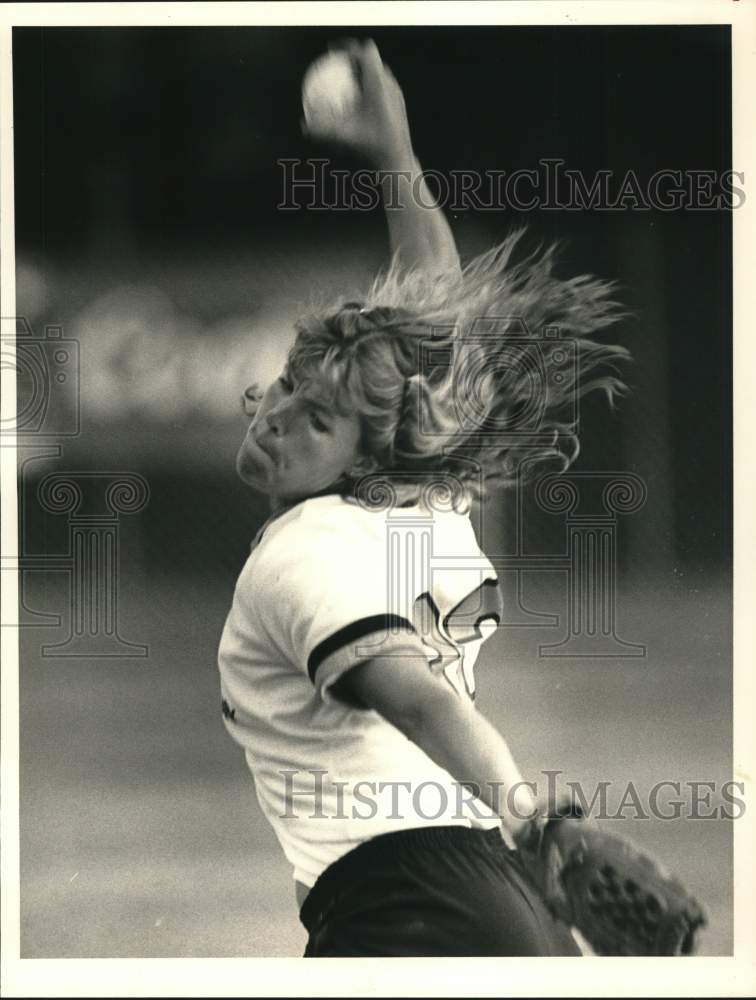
x=330, y=90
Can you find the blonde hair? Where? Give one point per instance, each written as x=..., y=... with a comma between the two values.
x=473, y=374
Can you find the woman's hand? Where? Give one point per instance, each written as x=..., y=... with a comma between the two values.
x=377, y=126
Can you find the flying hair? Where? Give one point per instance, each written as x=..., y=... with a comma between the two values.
x=475, y=374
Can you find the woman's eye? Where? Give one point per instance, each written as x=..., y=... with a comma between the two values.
x=317, y=423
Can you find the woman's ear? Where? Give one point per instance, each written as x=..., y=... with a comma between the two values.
x=251, y=399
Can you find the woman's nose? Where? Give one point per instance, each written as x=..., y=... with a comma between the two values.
x=274, y=423
x=278, y=419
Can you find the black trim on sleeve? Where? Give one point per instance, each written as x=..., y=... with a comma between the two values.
x=351, y=632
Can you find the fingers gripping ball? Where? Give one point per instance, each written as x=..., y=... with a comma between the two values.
x=330, y=89
x=621, y=900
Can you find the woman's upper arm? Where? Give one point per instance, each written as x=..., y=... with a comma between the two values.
x=401, y=688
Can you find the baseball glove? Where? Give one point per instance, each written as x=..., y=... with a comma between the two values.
x=621, y=900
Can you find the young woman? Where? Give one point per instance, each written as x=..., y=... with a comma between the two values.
x=347, y=657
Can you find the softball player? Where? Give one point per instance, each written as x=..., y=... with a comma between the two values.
x=347, y=657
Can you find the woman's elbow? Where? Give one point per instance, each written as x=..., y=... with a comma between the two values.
x=431, y=715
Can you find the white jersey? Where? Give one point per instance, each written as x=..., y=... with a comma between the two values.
x=330, y=584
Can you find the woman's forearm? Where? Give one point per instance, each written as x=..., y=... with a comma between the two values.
x=418, y=230
x=462, y=741
x=428, y=711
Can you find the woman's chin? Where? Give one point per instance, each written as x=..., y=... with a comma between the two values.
x=250, y=472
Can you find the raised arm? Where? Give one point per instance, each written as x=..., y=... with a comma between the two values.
x=378, y=128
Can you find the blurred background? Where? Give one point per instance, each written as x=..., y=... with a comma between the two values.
x=148, y=238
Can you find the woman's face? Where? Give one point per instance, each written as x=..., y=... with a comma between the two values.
x=297, y=446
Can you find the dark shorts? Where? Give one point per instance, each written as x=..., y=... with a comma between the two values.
x=437, y=891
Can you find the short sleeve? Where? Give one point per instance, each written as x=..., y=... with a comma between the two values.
x=327, y=605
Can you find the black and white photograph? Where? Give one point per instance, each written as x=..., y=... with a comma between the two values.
x=373, y=569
